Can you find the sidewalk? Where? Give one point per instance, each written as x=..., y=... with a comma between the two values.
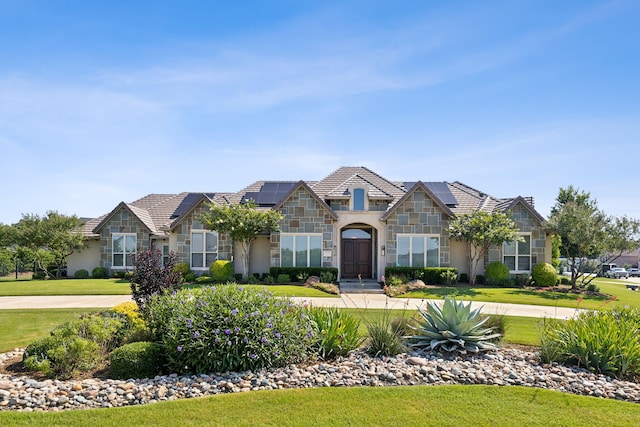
x=361, y=301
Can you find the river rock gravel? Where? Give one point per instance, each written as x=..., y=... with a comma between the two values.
x=503, y=367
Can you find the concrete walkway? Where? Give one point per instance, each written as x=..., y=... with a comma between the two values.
x=361, y=301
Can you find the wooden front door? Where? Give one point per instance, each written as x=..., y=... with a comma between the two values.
x=356, y=258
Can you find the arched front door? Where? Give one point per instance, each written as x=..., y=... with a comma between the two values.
x=357, y=253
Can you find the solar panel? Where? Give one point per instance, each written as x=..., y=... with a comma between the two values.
x=441, y=190
x=271, y=193
x=188, y=202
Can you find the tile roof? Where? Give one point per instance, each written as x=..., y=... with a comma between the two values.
x=334, y=180
x=162, y=212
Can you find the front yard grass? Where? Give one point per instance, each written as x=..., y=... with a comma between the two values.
x=121, y=287
x=615, y=288
x=65, y=287
x=21, y=327
x=358, y=406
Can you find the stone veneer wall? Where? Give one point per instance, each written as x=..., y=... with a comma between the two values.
x=303, y=214
x=526, y=223
x=122, y=222
x=183, y=238
x=417, y=215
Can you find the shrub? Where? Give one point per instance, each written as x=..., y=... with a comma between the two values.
x=452, y=327
x=303, y=271
x=325, y=287
x=182, y=268
x=429, y=275
x=497, y=273
x=565, y=281
x=237, y=277
x=229, y=328
x=544, y=275
x=593, y=288
x=268, y=280
x=604, y=342
x=386, y=335
x=302, y=276
x=40, y=275
x=252, y=279
x=283, y=278
x=135, y=329
x=137, y=360
x=327, y=277
x=221, y=271
x=150, y=277
x=464, y=278
x=76, y=345
x=449, y=277
x=100, y=273
x=480, y=279
x=337, y=331
x=396, y=280
x=81, y=274
x=189, y=277
x=204, y=279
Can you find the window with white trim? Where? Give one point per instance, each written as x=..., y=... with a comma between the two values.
x=123, y=249
x=204, y=247
x=418, y=250
x=517, y=255
x=301, y=250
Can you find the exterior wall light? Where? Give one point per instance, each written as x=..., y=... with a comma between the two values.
x=382, y=250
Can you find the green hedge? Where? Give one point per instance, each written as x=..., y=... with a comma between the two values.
x=429, y=275
x=137, y=360
x=294, y=272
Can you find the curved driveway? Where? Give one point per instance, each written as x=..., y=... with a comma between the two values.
x=362, y=301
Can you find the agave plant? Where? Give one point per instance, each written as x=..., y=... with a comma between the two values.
x=454, y=327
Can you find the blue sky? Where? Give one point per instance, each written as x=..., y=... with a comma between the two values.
x=102, y=102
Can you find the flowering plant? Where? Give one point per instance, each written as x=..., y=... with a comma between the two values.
x=229, y=328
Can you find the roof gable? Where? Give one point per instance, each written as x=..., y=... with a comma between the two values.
x=301, y=185
x=140, y=214
x=418, y=186
x=358, y=181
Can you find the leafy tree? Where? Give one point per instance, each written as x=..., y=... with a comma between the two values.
x=481, y=230
x=243, y=222
x=587, y=233
x=150, y=277
x=49, y=239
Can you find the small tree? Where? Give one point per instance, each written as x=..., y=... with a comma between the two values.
x=587, y=233
x=243, y=222
x=481, y=230
x=150, y=277
x=53, y=236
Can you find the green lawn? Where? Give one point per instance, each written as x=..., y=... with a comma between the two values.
x=23, y=326
x=358, y=406
x=65, y=287
x=119, y=287
x=614, y=287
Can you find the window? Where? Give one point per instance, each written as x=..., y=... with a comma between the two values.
x=517, y=255
x=358, y=199
x=204, y=249
x=123, y=250
x=301, y=250
x=165, y=254
x=418, y=250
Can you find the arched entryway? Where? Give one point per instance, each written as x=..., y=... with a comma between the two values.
x=357, y=243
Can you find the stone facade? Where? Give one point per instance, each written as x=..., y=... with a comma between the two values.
x=418, y=214
x=526, y=223
x=122, y=222
x=303, y=214
x=183, y=239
